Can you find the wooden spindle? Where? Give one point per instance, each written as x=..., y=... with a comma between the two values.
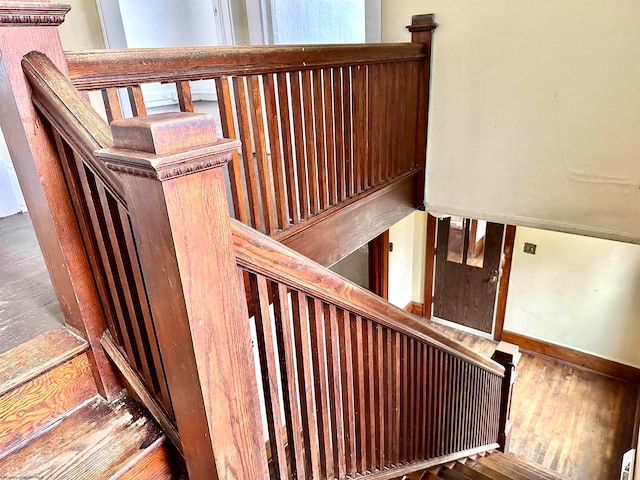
x=171, y=163
x=321, y=150
x=310, y=142
x=112, y=104
x=508, y=356
x=335, y=387
x=299, y=138
x=360, y=396
x=348, y=131
x=338, y=108
x=185, y=101
x=136, y=99
x=347, y=371
x=330, y=136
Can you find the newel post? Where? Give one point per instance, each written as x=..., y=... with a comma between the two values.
x=508, y=356
x=171, y=166
x=421, y=28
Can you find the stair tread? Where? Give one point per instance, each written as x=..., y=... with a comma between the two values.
x=522, y=469
x=488, y=471
x=470, y=473
x=98, y=440
x=38, y=355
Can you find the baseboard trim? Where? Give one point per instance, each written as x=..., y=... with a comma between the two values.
x=610, y=368
x=414, y=307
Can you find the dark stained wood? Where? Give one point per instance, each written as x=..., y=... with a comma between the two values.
x=44, y=187
x=604, y=366
x=334, y=378
x=331, y=236
x=136, y=101
x=302, y=209
x=379, y=265
x=508, y=356
x=266, y=256
x=112, y=104
x=110, y=68
x=39, y=402
x=152, y=465
x=503, y=288
x=184, y=96
x=185, y=241
x=429, y=266
x=358, y=352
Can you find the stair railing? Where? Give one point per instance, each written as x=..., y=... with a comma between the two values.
x=365, y=388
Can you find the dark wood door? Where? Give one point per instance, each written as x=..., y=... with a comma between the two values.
x=467, y=270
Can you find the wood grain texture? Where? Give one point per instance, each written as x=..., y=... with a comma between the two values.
x=264, y=255
x=503, y=288
x=111, y=68
x=591, y=362
x=99, y=440
x=429, y=266
x=153, y=463
x=36, y=356
x=45, y=191
x=39, y=402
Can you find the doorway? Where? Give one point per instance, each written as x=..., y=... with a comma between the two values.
x=468, y=264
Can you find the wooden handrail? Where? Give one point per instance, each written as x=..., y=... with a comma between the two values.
x=72, y=116
x=98, y=69
x=264, y=255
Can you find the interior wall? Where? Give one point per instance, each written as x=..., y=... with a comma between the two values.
x=402, y=262
x=355, y=266
x=534, y=116
x=578, y=292
x=81, y=29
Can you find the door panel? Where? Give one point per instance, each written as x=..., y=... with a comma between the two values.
x=467, y=270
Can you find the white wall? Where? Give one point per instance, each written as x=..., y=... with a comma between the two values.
x=534, y=111
x=355, y=266
x=578, y=292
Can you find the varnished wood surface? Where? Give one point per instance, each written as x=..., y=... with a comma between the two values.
x=154, y=463
x=28, y=304
x=97, y=441
x=566, y=418
x=114, y=68
x=36, y=356
x=39, y=402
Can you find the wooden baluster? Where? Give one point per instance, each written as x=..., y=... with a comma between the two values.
x=412, y=399
x=348, y=387
x=269, y=367
x=304, y=364
x=112, y=104
x=430, y=403
x=319, y=354
x=361, y=127
x=338, y=107
x=276, y=154
x=360, y=396
x=380, y=397
x=421, y=28
x=419, y=411
x=388, y=390
x=321, y=159
x=508, y=356
x=371, y=395
x=144, y=308
x=259, y=142
x=286, y=351
x=234, y=168
x=383, y=137
x=138, y=107
x=310, y=142
x=397, y=432
x=457, y=396
x=335, y=386
x=182, y=229
x=437, y=438
x=185, y=101
x=240, y=92
x=348, y=132
x=404, y=396
x=299, y=137
x=405, y=135
x=330, y=135
x=395, y=102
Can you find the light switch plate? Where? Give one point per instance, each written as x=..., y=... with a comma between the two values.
x=530, y=248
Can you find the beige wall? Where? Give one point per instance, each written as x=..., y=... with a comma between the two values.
x=81, y=29
x=578, y=292
x=535, y=113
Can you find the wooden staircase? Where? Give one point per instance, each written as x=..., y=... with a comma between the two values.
x=56, y=425
x=493, y=466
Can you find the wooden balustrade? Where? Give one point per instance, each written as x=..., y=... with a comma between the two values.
x=320, y=126
x=365, y=387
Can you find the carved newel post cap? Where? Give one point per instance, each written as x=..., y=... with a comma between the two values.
x=166, y=145
x=422, y=23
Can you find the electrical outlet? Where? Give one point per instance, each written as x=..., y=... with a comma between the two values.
x=530, y=248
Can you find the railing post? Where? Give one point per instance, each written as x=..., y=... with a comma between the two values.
x=26, y=26
x=508, y=356
x=421, y=28
x=172, y=170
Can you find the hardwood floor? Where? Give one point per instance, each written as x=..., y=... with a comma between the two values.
x=571, y=420
x=28, y=306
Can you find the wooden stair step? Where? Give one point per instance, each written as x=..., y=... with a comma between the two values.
x=99, y=440
x=524, y=465
x=452, y=474
x=38, y=403
x=470, y=473
x=504, y=463
x=38, y=355
x=488, y=471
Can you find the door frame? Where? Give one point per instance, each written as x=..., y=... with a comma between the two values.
x=379, y=265
x=503, y=285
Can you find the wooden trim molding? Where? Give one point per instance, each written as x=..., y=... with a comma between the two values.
x=32, y=14
x=414, y=307
x=429, y=265
x=610, y=368
x=503, y=288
